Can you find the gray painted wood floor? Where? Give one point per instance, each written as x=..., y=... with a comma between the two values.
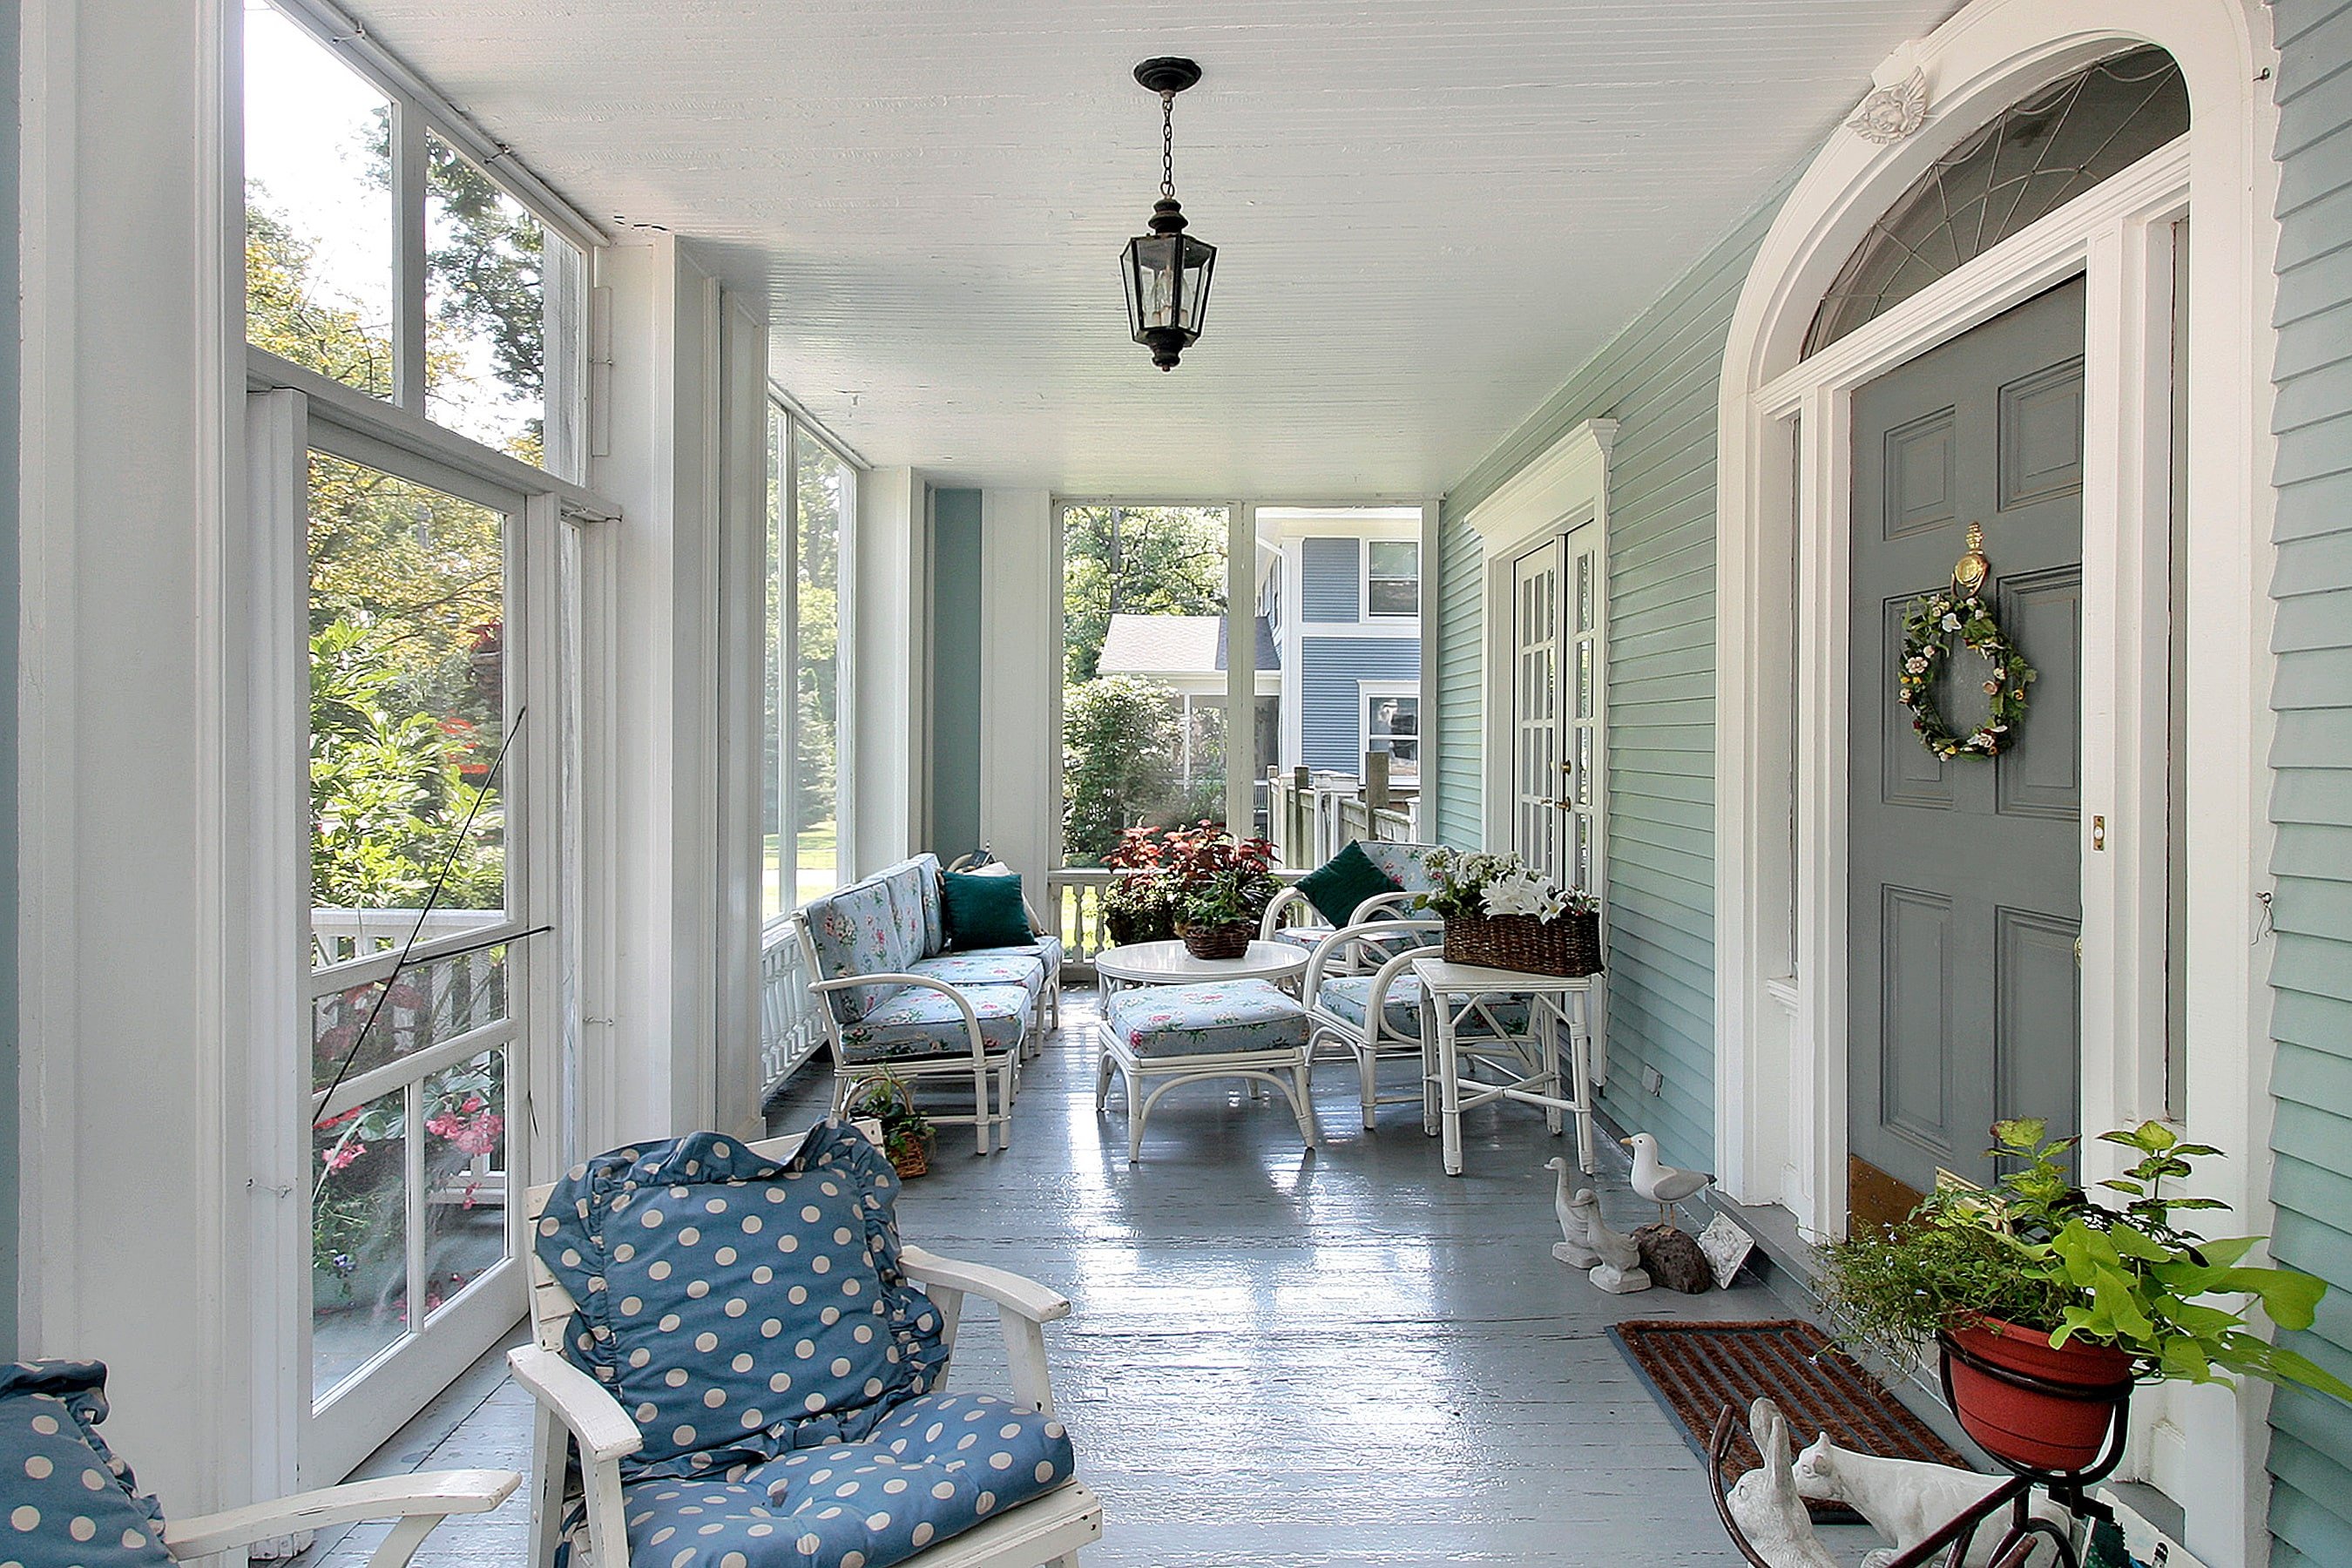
x=1274, y=1360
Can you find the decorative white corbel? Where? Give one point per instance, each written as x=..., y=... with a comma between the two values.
x=1896, y=104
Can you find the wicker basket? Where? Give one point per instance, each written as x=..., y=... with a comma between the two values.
x=1569, y=946
x=1219, y=942
x=909, y=1156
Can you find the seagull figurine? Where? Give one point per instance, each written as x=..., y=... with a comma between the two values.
x=1660, y=1183
x=1578, y=1215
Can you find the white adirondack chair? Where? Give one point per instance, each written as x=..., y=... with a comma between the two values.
x=419, y=1502
x=574, y=1408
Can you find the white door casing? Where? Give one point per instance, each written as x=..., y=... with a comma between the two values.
x=1784, y=489
x=1561, y=493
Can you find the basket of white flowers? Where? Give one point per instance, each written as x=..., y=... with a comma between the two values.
x=1502, y=914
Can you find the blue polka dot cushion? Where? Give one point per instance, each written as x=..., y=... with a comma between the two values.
x=738, y=1307
x=938, y=1465
x=69, y=1502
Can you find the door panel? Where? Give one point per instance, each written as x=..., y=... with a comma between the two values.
x=1964, y=895
x=1536, y=751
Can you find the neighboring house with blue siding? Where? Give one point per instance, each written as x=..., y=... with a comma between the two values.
x=1713, y=440
x=1340, y=590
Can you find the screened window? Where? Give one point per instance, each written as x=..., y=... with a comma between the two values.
x=319, y=223
x=1393, y=573
x=485, y=337
x=811, y=491
x=2035, y=157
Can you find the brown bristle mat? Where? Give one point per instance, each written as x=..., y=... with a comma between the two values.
x=1694, y=1368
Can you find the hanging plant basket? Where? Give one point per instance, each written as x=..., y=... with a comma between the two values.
x=1570, y=945
x=2033, y=1405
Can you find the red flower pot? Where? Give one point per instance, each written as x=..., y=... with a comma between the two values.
x=2034, y=1427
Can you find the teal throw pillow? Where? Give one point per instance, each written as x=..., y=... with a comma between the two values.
x=984, y=911
x=1342, y=882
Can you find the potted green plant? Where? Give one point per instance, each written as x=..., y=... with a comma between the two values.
x=1218, y=887
x=906, y=1132
x=2033, y=1283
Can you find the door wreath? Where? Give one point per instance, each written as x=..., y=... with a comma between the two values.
x=1929, y=627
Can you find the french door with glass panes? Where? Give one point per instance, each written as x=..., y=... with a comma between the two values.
x=427, y=1072
x=1557, y=726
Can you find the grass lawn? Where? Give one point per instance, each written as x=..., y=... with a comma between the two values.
x=818, y=858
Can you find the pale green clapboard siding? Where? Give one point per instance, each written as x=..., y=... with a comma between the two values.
x=2311, y=974
x=1658, y=380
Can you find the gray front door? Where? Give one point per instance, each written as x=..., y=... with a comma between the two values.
x=1965, y=878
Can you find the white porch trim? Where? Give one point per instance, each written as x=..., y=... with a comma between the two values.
x=1782, y=500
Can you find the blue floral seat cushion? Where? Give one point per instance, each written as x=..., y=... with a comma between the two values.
x=1401, y=862
x=1213, y=1018
x=1346, y=996
x=855, y=932
x=936, y=1466
x=1003, y=966
x=917, y=1021
x=66, y=1502
x=911, y=923
x=1046, y=948
x=736, y=1307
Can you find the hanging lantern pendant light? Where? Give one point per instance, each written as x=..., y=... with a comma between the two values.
x=1167, y=270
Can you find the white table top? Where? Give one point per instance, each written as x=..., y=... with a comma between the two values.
x=1166, y=963
x=1439, y=975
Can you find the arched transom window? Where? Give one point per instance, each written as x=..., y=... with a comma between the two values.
x=2033, y=158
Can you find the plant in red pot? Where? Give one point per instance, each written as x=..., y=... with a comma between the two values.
x=2048, y=1305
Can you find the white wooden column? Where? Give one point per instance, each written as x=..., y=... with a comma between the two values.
x=1019, y=620
x=138, y=872
x=884, y=769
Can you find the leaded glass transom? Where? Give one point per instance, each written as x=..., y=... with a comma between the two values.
x=2033, y=158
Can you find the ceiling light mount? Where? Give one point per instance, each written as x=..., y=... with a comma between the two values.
x=1167, y=270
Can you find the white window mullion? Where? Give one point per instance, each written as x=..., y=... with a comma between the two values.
x=408, y=164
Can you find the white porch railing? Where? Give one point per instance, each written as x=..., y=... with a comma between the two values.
x=338, y=936
x=790, y=1030
x=1075, y=910
x=1312, y=817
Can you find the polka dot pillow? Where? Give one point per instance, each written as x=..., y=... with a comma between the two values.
x=69, y=1502
x=738, y=1307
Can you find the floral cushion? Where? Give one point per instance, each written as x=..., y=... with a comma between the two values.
x=999, y=967
x=1345, y=996
x=1401, y=862
x=917, y=1021
x=935, y=928
x=1046, y=948
x=852, y=931
x=909, y=935
x=66, y=1502
x=1213, y=1018
x=933, y=1468
x=738, y=1308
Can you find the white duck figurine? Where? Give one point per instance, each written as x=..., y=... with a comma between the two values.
x=1660, y=1183
x=1579, y=1216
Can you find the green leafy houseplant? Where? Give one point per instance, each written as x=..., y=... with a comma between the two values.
x=2036, y=1258
x=905, y=1131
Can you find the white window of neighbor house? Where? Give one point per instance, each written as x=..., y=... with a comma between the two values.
x=1392, y=578
x=1392, y=712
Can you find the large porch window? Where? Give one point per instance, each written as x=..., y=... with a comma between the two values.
x=811, y=491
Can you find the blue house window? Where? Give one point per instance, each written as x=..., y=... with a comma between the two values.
x=1392, y=578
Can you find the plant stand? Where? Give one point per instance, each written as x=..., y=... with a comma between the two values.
x=2069, y=1489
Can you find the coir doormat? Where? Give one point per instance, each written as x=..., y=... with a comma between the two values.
x=1694, y=1368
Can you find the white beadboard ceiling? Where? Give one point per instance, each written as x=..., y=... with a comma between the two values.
x=1428, y=214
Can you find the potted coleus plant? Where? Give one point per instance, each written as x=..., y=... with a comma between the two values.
x=1218, y=888
x=2049, y=1305
x=1137, y=905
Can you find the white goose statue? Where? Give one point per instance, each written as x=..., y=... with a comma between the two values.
x=1660, y=1183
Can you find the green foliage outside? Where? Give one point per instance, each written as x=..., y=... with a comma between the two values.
x=1122, y=737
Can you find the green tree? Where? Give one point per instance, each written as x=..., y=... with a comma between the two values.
x=1121, y=737
x=1135, y=560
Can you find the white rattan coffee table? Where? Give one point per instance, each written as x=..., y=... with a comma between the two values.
x=1166, y=963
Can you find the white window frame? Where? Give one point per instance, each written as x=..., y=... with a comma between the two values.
x=416, y=109
x=1364, y=586
x=784, y=470
x=1371, y=691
